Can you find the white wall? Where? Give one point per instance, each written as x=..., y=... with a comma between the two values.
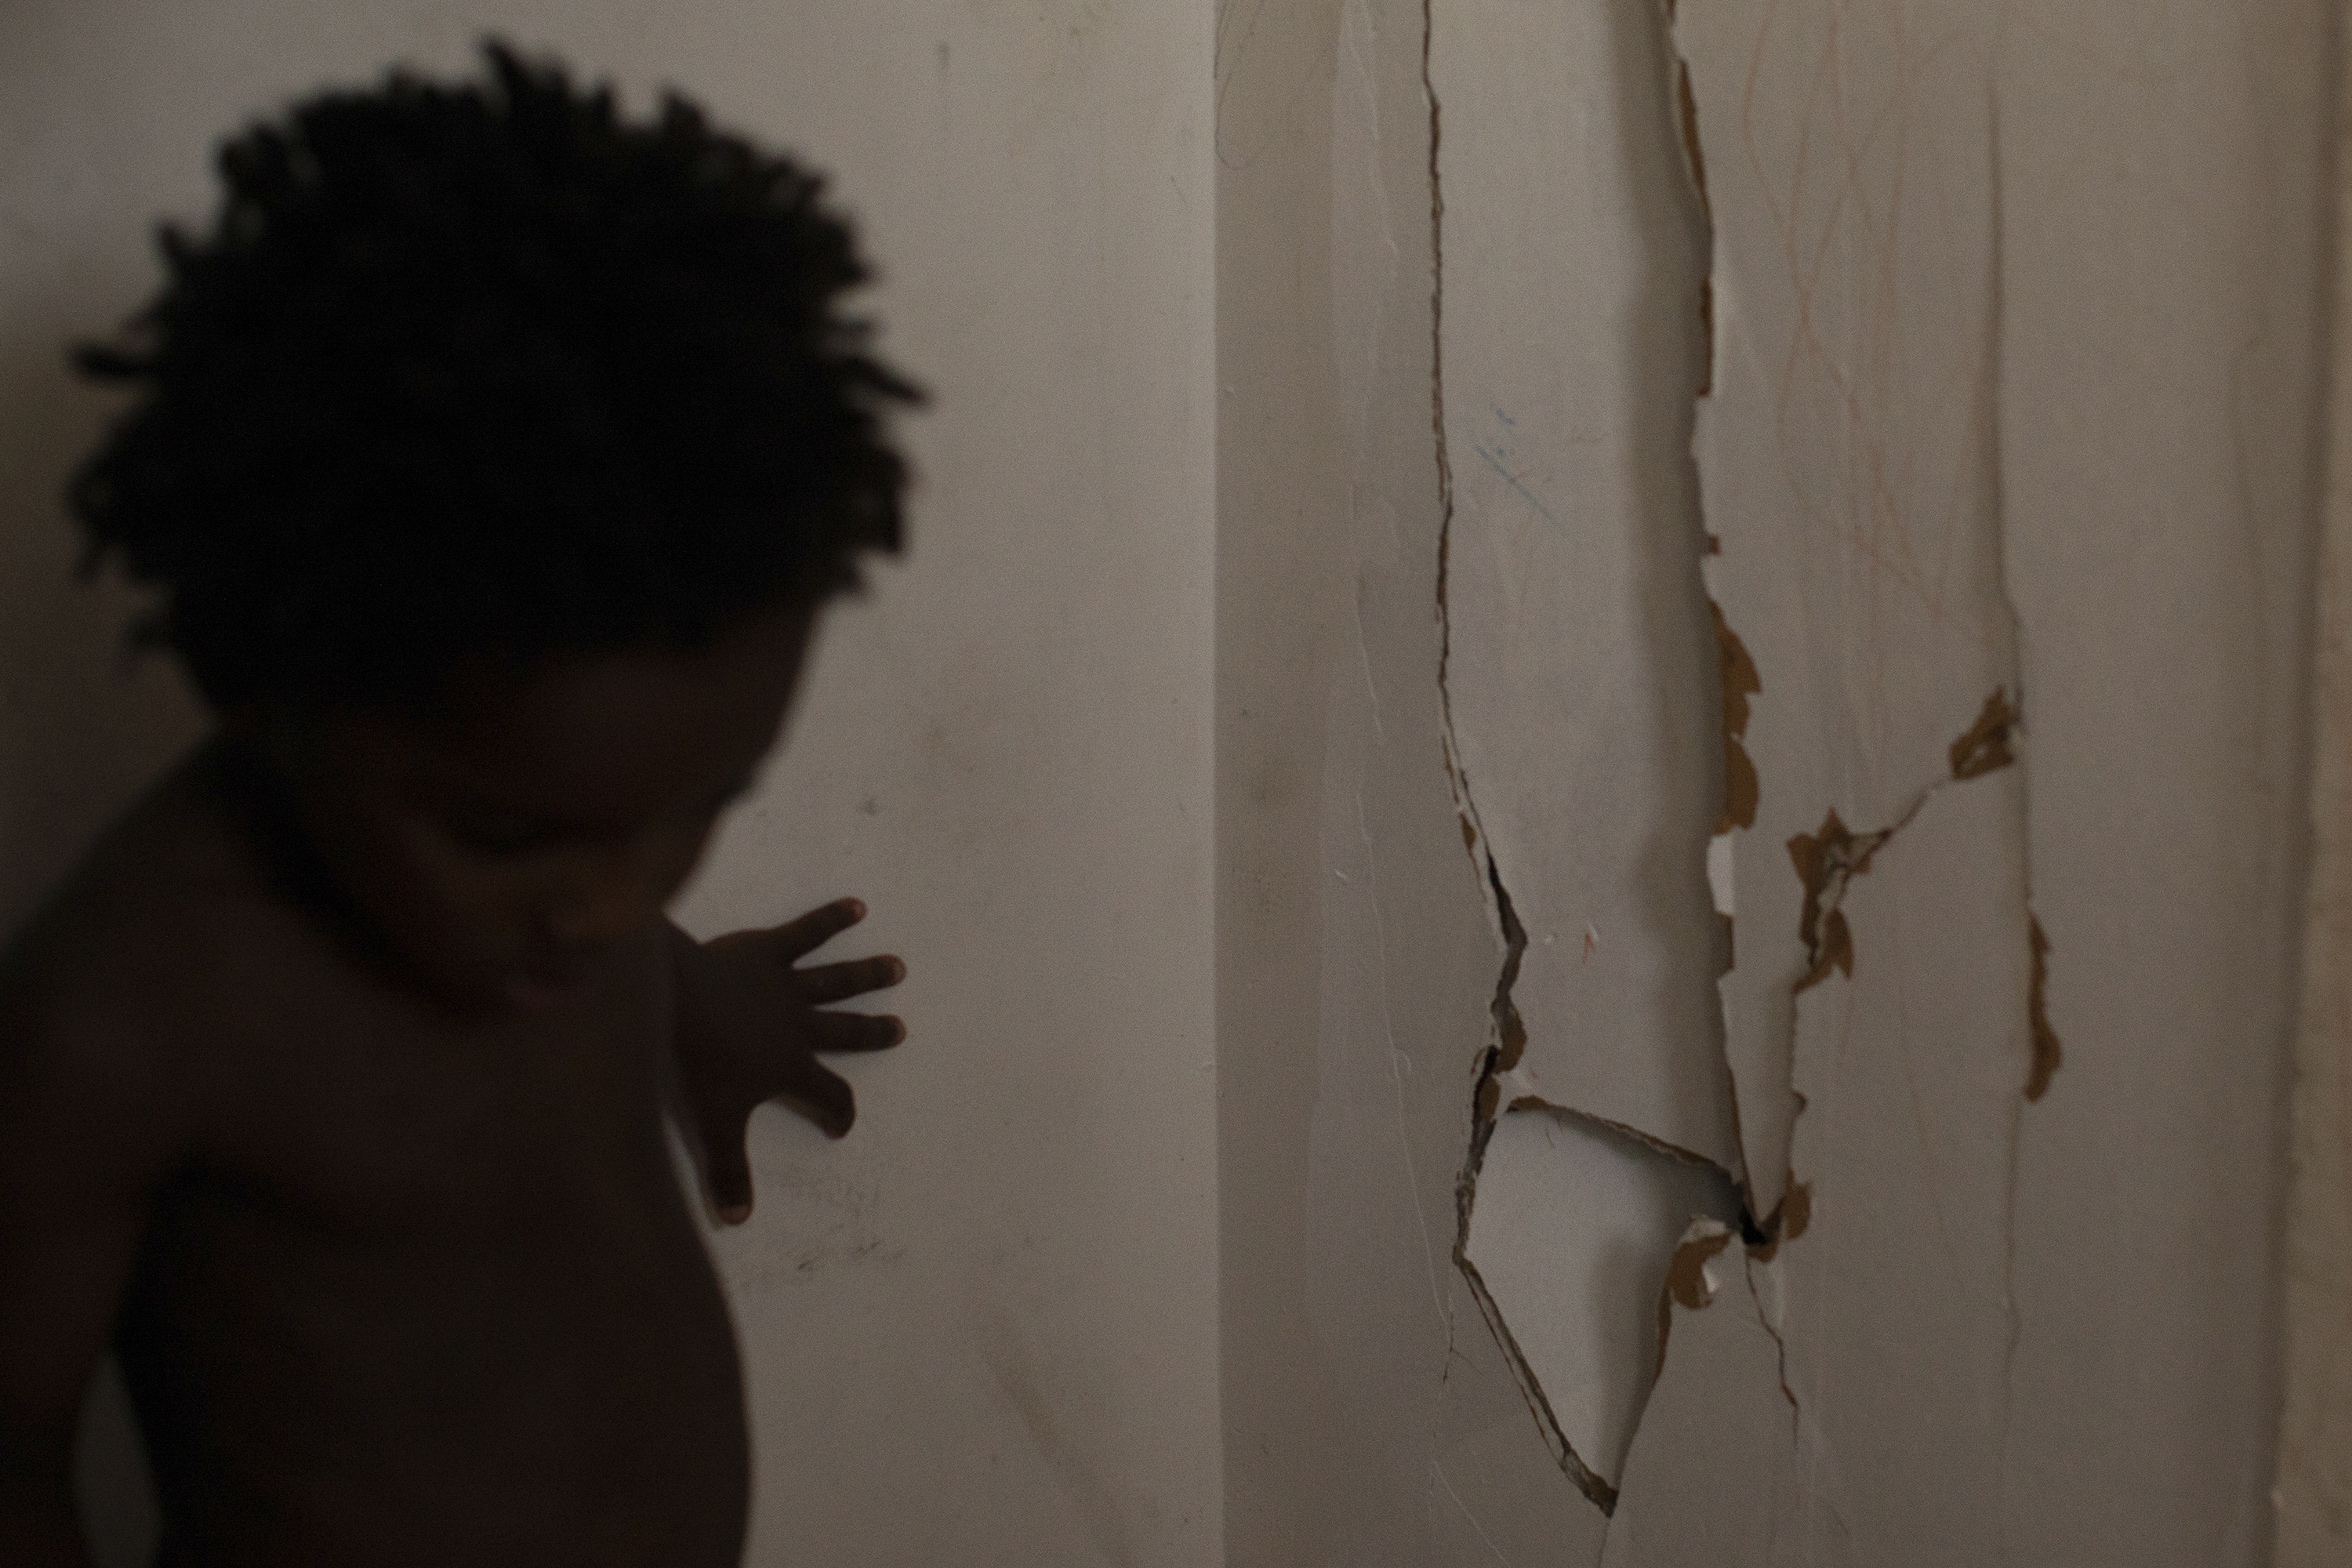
x=983, y=1329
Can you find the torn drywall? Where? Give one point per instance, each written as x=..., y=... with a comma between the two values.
x=1877, y=1029
x=1997, y=434
x=1575, y=1227
x=1573, y=675
x=1846, y=450
x=1888, y=1038
x=1889, y=1017
x=1879, y=1371
x=1578, y=640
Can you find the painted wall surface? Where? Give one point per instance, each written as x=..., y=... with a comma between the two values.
x=2314, y=1464
x=983, y=1329
x=1371, y=1421
x=1849, y=471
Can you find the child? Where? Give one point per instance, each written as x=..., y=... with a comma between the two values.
x=495, y=457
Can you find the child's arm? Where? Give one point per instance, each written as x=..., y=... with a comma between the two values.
x=88, y=1126
x=748, y=1027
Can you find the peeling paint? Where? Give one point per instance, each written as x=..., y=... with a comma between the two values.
x=1873, y=1375
x=1789, y=1219
x=1508, y=1040
x=1575, y=540
x=1688, y=1281
x=1826, y=861
x=1741, y=790
x=1694, y=167
x=1985, y=746
x=2048, y=1056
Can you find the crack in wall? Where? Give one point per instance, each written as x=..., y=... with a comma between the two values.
x=1509, y=1035
x=2047, y=1055
x=1771, y=1326
x=1827, y=861
x=1508, y=1038
x=1507, y=1044
x=1455, y=779
x=1739, y=681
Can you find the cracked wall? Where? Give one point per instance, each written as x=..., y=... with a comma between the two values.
x=1860, y=730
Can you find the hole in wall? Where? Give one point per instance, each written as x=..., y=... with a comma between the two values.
x=1575, y=1227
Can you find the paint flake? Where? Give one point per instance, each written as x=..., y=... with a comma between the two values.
x=2048, y=1055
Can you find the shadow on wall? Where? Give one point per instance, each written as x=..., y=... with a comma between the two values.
x=83, y=728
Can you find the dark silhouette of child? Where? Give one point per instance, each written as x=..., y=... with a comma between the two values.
x=491, y=458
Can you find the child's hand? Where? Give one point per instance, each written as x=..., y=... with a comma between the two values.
x=749, y=1030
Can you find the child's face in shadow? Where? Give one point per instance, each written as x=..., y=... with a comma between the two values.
x=505, y=842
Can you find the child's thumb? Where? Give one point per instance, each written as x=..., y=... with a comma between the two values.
x=728, y=1172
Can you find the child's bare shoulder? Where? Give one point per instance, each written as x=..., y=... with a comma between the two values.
x=145, y=966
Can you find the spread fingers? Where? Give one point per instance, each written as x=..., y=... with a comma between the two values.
x=856, y=1032
x=827, y=982
x=819, y=926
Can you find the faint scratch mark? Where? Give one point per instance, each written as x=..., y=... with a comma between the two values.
x=1017, y=1376
x=1447, y=1482
x=1494, y=461
x=1398, y=1060
x=1364, y=659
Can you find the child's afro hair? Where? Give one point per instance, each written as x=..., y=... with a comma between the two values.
x=487, y=371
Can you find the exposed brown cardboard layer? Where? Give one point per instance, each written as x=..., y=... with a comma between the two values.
x=2048, y=1055
x=1985, y=746
x=1740, y=682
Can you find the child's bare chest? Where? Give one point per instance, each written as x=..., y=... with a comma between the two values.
x=441, y=1300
